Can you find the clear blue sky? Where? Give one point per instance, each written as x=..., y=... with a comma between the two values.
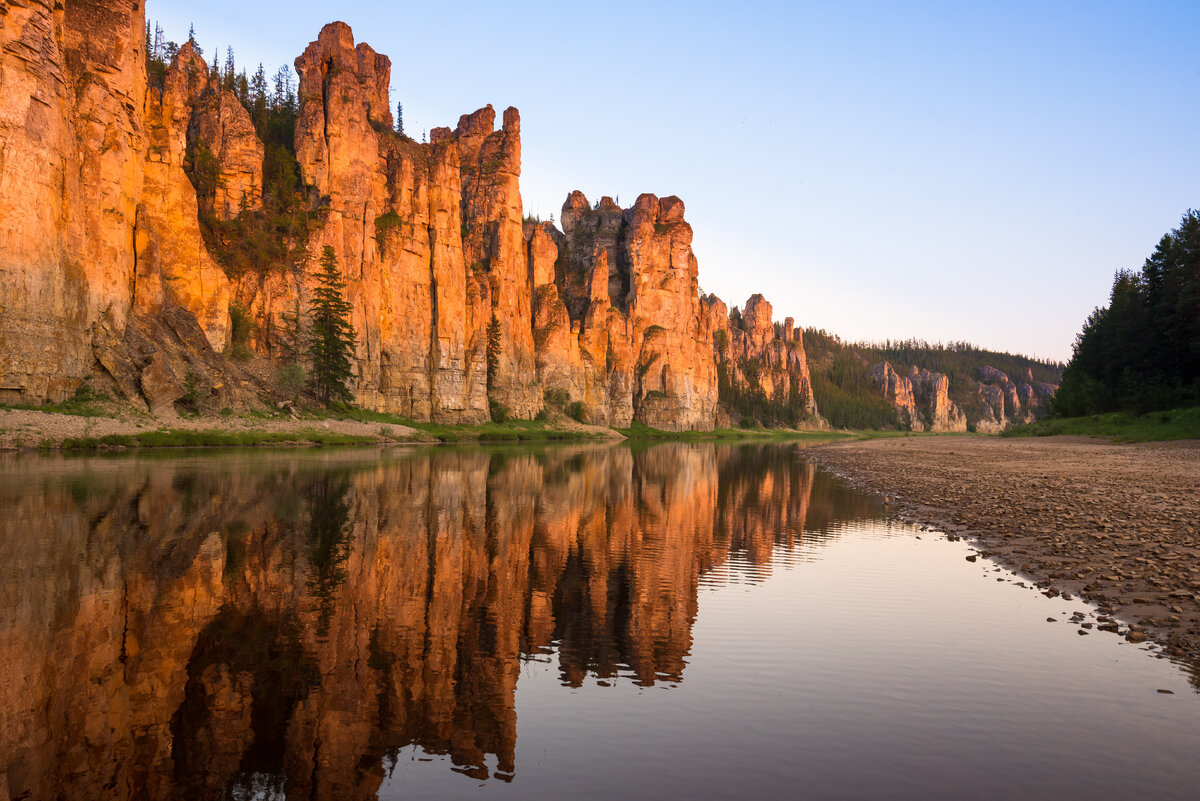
x=947, y=171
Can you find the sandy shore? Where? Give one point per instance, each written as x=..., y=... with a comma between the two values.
x=1118, y=525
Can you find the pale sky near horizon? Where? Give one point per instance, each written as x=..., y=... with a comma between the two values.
x=946, y=171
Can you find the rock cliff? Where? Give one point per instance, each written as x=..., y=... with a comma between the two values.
x=1004, y=402
x=72, y=82
x=618, y=320
x=921, y=398
x=463, y=310
x=762, y=366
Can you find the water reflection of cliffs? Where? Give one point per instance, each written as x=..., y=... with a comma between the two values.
x=173, y=628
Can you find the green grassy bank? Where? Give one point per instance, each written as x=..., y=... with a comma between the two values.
x=1120, y=426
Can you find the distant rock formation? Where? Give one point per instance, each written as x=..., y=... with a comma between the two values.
x=764, y=361
x=1005, y=402
x=921, y=398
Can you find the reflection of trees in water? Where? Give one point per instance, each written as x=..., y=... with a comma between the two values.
x=328, y=541
x=245, y=677
x=320, y=618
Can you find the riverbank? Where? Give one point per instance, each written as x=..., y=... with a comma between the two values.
x=1118, y=525
x=105, y=424
x=114, y=426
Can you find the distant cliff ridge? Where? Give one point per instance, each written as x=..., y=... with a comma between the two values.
x=922, y=399
x=156, y=222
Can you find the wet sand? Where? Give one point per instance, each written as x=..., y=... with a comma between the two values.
x=1118, y=525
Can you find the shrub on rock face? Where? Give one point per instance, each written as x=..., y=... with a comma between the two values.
x=291, y=379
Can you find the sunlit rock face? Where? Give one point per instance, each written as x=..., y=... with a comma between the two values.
x=176, y=629
x=72, y=78
x=462, y=309
x=174, y=266
x=428, y=236
x=762, y=357
x=98, y=221
x=932, y=392
x=621, y=315
x=897, y=390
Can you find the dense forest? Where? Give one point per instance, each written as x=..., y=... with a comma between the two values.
x=847, y=398
x=1141, y=353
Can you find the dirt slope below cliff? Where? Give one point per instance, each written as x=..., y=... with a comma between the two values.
x=1116, y=524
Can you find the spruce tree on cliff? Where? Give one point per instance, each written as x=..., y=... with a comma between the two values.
x=331, y=338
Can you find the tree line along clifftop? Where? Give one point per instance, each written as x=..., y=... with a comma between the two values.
x=165, y=218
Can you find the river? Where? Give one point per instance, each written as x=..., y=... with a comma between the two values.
x=675, y=620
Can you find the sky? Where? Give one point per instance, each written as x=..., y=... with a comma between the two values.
x=942, y=171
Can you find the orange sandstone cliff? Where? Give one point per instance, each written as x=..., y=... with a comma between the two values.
x=463, y=310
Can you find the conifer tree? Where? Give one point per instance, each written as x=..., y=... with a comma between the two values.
x=400, y=118
x=331, y=336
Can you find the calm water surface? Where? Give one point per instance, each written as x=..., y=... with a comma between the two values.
x=683, y=620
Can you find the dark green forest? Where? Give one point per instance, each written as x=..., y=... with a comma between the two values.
x=1141, y=353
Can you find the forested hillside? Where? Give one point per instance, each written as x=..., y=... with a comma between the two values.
x=848, y=398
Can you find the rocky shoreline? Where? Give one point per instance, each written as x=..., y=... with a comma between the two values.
x=1116, y=525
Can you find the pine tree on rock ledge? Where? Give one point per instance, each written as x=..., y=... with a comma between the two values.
x=331, y=339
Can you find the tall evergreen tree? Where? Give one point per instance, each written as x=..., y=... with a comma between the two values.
x=229, y=74
x=400, y=118
x=331, y=337
x=258, y=100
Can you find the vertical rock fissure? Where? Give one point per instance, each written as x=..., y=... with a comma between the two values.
x=434, y=360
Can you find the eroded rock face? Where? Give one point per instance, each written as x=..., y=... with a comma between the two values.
x=1005, y=403
x=173, y=264
x=897, y=390
x=460, y=309
x=921, y=399
x=932, y=391
x=429, y=238
x=625, y=314
x=764, y=358
x=71, y=84
x=223, y=125
x=99, y=222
